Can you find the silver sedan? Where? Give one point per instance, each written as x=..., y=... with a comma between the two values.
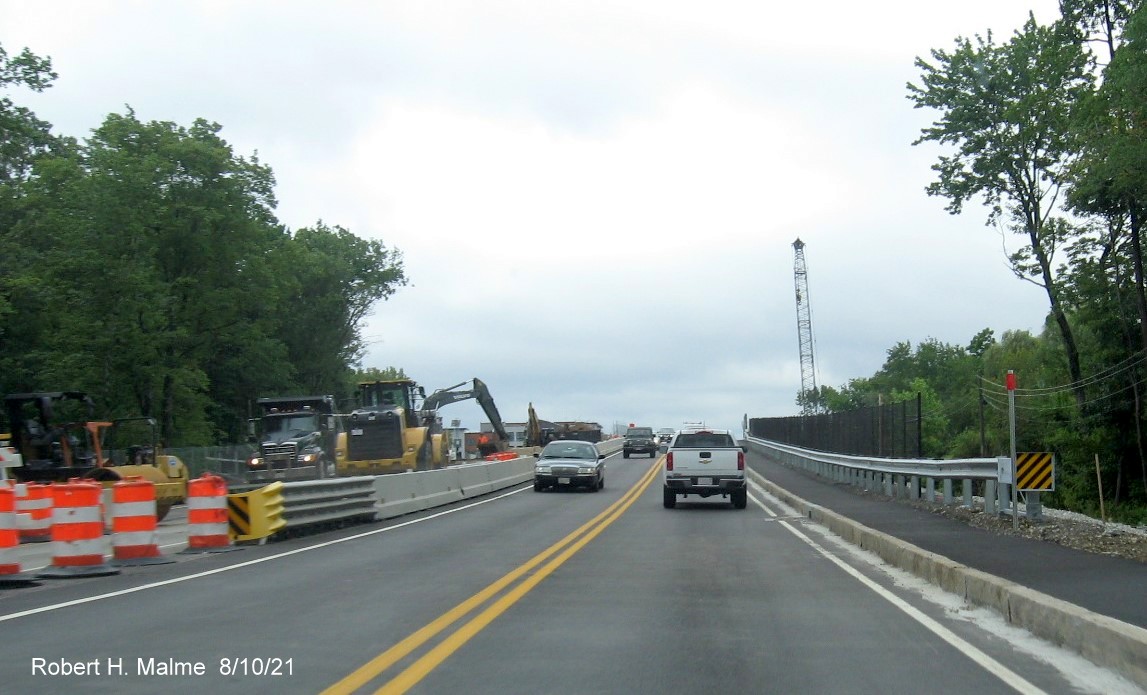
x=569, y=463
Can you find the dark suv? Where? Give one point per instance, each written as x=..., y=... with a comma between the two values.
x=639, y=440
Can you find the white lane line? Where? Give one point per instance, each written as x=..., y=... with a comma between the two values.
x=249, y=563
x=986, y=662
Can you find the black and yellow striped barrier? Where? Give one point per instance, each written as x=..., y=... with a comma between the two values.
x=1035, y=471
x=256, y=514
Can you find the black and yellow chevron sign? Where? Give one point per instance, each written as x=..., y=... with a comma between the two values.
x=238, y=515
x=1035, y=471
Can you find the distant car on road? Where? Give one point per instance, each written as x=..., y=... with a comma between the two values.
x=639, y=440
x=665, y=434
x=569, y=463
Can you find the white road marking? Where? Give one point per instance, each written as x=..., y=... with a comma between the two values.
x=986, y=662
x=249, y=563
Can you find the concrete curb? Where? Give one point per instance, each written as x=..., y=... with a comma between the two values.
x=1104, y=641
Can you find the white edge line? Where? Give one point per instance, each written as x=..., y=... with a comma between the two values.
x=228, y=568
x=986, y=662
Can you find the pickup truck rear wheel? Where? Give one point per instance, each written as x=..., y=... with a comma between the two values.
x=670, y=500
x=740, y=498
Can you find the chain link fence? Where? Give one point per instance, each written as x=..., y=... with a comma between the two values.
x=228, y=461
x=892, y=430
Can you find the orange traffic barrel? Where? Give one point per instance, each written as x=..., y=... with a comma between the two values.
x=134, y=523
x=34, y=512
x=207, y=525
x=9, y=539
x=78, y=544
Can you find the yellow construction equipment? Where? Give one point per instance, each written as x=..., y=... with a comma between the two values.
x=58, y=440
x=396, y=428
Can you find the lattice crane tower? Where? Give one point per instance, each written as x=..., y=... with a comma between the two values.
x=804, y=329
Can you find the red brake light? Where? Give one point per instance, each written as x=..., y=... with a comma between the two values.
x=669, y=461
x=740, y=460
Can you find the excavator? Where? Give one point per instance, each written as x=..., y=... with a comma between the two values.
x=395, y=427
x=540, y=432
x=58, y=440
x=441, y=397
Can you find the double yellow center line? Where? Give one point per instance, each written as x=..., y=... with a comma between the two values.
x=556, y=555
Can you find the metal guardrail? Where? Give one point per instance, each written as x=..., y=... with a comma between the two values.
x=907, y=478
x=312, y=503
x=324, y=501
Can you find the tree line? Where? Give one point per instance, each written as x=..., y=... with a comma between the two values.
x=144, y=265
x=1046, y=131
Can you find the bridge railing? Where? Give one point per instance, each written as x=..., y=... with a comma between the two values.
x=930, y=479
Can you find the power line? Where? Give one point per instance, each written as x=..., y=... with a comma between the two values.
x=1111, y=372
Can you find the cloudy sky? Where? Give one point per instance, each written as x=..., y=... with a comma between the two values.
x=596, y=201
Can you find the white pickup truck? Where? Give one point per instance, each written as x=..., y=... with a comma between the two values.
x=705, y=462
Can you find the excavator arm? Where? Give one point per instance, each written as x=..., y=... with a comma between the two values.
x=479, y=393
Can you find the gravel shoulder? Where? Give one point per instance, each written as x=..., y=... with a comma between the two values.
x=1064, y=528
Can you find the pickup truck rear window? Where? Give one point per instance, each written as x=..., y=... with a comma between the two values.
x=704, y=440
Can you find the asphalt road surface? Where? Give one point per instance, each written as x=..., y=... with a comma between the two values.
x=527, y=592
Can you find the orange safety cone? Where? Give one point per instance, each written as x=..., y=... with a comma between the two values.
x=34, y=512
x=77, y=532
x=10, y=540
x=207, y=525
x=134, y=523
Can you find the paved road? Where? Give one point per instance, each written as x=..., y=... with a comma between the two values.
x=519, y=591
x=1107, y=585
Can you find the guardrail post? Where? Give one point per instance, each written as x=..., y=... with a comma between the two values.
x=914, y=487
x=967, y=485
x=947, y=491
x=1032, y=507
x=991, y=497
x=1003, y=492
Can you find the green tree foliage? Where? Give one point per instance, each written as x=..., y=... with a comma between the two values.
x=332, y=279
x=147, y=268
x=24, y=139
x=1006, y=110
x=1099, y=22
x=376, y=374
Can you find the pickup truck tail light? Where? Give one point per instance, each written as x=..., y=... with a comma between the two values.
x=740, y=460
x=669, y=461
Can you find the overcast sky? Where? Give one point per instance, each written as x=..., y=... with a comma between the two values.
x=596, y=201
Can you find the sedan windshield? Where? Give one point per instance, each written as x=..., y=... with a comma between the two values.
x=569, y=450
